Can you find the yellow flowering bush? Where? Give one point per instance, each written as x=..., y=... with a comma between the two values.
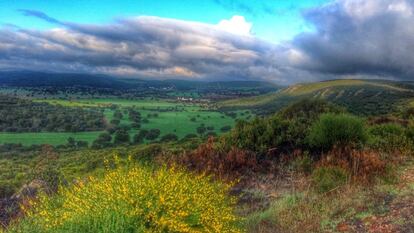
x=137, y=199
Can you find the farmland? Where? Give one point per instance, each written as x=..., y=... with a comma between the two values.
x=169, y=116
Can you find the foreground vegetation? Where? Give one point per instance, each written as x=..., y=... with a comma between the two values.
x=135, y=199
x=312, y=166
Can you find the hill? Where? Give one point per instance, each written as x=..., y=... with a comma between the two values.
x=59, y=80
x=362, y=97
x=43, y=79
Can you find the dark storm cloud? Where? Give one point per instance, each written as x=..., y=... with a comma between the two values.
x=372, y=37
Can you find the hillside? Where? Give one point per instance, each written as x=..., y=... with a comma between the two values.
x=362, y=97
x=48, y=79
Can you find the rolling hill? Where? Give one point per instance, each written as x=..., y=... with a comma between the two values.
x=64, y=80
x=362, y=97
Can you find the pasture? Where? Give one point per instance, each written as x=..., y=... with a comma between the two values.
x=168, y=116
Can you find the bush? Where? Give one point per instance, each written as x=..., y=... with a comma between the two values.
x=212, y=159
x=225, y=128
x=147, y=153
x=301, y=115
x=328, y=178
x=389, y=138
x=258, y=135
x=362, y=165
x=309, y=109
x=302, y=163
x=337, y=130
x=136, y=200
x=190, y=136
x=153, y=134
x=169, y=137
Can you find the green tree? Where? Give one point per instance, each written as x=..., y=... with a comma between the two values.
x=121, y=136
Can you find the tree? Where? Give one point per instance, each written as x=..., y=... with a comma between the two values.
x=115, y=121
x=169, y=137
x=103, y=140
x=139, y=137
x=81, y=144
x=153, y=134
x=201, y=129
x=121, y=136
x=225, y=128
x=118, y=114
x=71, y=142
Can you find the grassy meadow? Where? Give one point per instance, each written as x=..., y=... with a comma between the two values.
x=166, y=115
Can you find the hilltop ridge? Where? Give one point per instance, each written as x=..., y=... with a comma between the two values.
x=363, y=97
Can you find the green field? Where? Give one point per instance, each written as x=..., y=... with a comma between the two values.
x=173, y=117
x=142, y=103
x=46, y=138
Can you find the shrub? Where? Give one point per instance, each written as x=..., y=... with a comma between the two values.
x=362, y=165
x=301, y=115
x=225, y=128
x=258, y=135
x=136, y=200
x=328, y=178
x=201, y=129
x=153, y=134
x=210, y=158
x=337, y=130
x=190, y=136
x=169, y=137
x=389, y=138
x=147, y=153
x=309, y=109
x=302, y=163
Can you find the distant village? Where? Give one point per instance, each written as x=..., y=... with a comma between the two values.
x=192, y=100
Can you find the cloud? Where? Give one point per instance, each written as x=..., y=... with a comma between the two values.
x=351, y=38
x=237, y=25
x=145, y=46
x=40, y=15
x=372, y=37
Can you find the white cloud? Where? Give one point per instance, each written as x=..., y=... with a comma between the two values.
x=236, y=25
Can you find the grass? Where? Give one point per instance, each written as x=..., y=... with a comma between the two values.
x=362, y=97
x=173, y=117
x=303, y=89
x=353, y=205
x=180, y=123
x=51, y=138
x=105, y=102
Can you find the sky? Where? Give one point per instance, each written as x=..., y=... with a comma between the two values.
x=269, y=17
x=283, y=41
